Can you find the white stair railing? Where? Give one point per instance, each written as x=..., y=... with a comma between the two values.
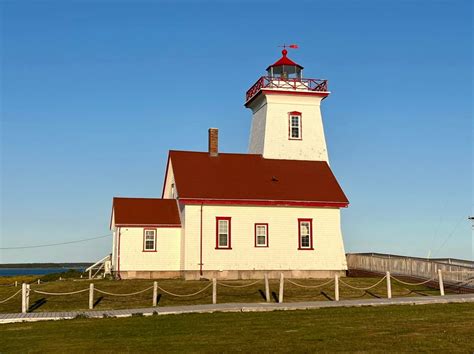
x=99, y=264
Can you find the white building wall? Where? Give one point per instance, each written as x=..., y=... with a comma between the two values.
x=168, y=182
x=282, y=253
x=270, y=128
x=166, y=257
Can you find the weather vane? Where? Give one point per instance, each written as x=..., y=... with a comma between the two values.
x=292, y=46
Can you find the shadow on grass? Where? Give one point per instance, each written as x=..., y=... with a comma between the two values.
x=37, y=304
x=98, y=301
x=327, y=296
x=373, y=294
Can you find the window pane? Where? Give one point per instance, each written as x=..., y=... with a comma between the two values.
x=261, y=240
x=304, y=227
x=223, y=225
x=222, y=240
x=295, y=132
x=261, y=230
x=305, y=241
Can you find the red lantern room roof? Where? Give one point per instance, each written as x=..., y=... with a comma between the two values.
x=284, y=60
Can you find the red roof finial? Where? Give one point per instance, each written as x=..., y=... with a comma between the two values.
x=285, y=60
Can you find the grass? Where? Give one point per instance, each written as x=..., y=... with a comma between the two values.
x=255, y=293
x=424, y=328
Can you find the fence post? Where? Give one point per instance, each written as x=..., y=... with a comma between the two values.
x=336, y=287
x=155, y=293
x=24, y=308
x=280, y=293
x=267, y=288
x=16, y=283
x=441, y=284
x=90, y=273
x=214, y=291
x=389, y=286
x=91, y=296
x=39, y=281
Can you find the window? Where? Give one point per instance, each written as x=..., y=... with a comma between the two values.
x=223, y=228
x=149, y=240
x=305, y=234
x=261, y=235
x=295, y=126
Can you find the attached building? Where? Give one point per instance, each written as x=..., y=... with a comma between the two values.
x=238, y=216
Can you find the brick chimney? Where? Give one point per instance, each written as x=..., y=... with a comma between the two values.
x=213, y=141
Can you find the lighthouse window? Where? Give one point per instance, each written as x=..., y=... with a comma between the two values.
x=295, y=127
x=305, y=231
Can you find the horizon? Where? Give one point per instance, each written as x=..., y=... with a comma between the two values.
x=94, y=95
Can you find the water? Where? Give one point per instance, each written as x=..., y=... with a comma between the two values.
x=33, y=271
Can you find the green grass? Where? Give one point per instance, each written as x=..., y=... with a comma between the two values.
x=255, y=293
x=423, y=328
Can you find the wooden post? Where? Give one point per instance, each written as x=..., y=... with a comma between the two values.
x=441, y=284
x=214, y=291
x=389, y=286
x=91, y=296
x=155, y=293
x=16, y=283
x=267, y=288
x=24, y=308
x=280, y=293
x=90, y=273
x=336, y=287
x=39, y=281
x=27, y=296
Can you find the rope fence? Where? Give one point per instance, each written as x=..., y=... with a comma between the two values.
x=130, y=294
x=26, y=289
x=11, y=297
x=364, y=288
x=311, y=286
x=413, y=284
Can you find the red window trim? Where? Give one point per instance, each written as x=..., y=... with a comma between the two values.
x=292, y=114
x=255, y=234
x=144, y=239
x=310, y=248
x=229, y=245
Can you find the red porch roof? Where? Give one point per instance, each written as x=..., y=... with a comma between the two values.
x=145, y=212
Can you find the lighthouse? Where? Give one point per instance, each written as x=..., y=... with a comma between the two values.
x=286, y=113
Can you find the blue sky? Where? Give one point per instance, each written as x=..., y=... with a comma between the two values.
x=95, y=93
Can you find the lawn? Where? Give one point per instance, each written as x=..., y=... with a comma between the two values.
x=423, y=328
x=254, y=293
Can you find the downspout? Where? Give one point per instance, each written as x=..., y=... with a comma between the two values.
x=118, y=254
x=200, y=246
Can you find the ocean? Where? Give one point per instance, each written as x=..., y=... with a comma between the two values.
x=33, y=271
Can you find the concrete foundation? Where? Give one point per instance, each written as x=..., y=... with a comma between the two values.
x=232, y=274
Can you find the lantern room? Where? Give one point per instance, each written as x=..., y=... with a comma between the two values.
x=285, y=68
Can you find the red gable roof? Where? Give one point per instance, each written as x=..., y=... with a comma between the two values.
x=284, y=60
x=146, y=212
x=251, y=179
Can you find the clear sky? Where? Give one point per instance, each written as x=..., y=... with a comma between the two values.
x=95, y=93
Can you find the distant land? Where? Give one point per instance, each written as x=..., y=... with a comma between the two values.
x=46, y=265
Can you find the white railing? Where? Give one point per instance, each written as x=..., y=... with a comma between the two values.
x=104, y=263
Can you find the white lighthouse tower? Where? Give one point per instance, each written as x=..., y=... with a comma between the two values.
x=286, y=114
